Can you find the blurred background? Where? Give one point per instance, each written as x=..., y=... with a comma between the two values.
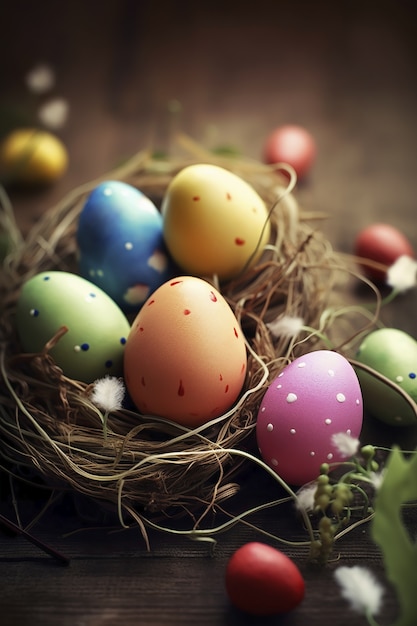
x=227, y=73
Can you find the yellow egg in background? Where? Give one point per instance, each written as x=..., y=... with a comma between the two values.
x=215, y=223
x=33, y=157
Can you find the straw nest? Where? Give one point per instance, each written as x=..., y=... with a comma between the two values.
x=147, y=465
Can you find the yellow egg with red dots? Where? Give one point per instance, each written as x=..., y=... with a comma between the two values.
x=185, y=357
x=214, y=222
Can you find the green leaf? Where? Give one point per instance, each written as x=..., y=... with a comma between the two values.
x=399, y=551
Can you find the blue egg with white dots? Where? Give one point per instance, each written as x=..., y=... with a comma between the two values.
x=392, y=353
x=96, y=328
x=121, y=245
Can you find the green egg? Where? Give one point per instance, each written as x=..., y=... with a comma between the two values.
x=93, y=345
x=392, y=353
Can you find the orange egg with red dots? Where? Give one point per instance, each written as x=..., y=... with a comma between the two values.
x=185, y=357
x=214, y=222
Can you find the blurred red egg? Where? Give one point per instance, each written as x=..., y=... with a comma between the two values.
x=293, y=145
x=261, y=580
x=382, y=243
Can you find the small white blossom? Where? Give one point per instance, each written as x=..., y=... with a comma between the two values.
x=286, y=326
x=346, y=444
x=360, y=588
x=377, y=478
x=305, y=497
x=40, y=79
x=108, y=393
x=402, y=274
x=53, y=114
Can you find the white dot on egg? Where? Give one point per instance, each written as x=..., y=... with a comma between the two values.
x=292, y=397
x=330, y=456
x=399, y=379
x=274, y=462
x=158, y=261
x=92, y=272
x=128, y=245
x=281, y=374
x=270, y=428
x=328, y=421
x=349, y=432
x=331, y=372
x=263, y=409
x=312, y=453
x=340, y=397
x=293, y=431
x=279, y=386
x=100, y=273
x=108, y=192
x=77, y=348
x=302, y=364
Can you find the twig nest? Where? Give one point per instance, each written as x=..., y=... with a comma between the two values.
x=139, y=463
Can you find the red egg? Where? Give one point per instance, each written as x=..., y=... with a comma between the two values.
x=382, y=243
x=261, y=580
x=293, y=145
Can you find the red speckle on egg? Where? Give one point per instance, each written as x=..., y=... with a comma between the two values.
x=196, y=198
x=213, y=297
x=175, y=282
x=143, y=381
x=226, y=389
x=239, y=241
x=243, y=368
x=181, y=390
x=236, y=333
x=220, y=377
x=228, y=196
x=187, y=311
x=151, y=302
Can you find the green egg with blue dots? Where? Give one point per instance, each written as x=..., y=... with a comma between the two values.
x=93, y=345
x=392, y=353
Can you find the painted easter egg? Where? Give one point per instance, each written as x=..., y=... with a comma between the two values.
x=215, y=223
x=392, y=353
x=185, y=356
x=121, y=244
x=313, y=398
x=97, y=331
x=261, y=580
x=291, y=144
x=32, y=157
x=384, y=244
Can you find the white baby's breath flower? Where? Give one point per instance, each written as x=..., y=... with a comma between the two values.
x=286, y=326
x=108, y=393
x=305, y=497
x=377, y=478
x=40, y=79
x=402, y=274
x=53, y=114
x=346, y=444
x=360, y=588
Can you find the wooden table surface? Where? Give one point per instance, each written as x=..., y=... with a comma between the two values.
x=346, y=71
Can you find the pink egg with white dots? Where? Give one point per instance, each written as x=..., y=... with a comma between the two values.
x=313, y=398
